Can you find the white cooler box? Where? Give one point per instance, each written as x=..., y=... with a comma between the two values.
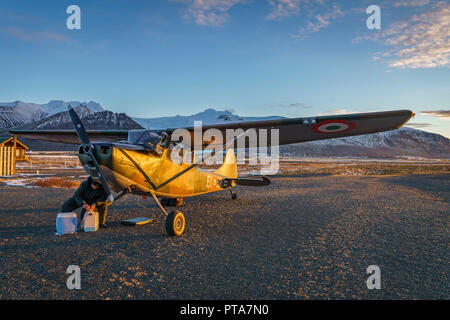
x=90, y=221
x=66, y=223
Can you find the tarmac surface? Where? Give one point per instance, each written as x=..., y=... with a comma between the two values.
x=302, y=237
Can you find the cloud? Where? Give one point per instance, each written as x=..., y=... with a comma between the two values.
x=283, y=8
x=35, y=36
x=411, y=3
x=320, y=21
x=209, y=12
x=422, y=41
x=438, y=113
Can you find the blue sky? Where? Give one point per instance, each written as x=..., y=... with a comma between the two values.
x=262, y=57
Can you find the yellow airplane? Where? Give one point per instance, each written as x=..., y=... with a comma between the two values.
x=138, y=161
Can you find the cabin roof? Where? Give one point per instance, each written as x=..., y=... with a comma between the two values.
x=4, y=140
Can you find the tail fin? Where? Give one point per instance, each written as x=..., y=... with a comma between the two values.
x=229, y=167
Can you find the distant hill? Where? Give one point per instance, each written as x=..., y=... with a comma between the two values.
x=400, y=143
x=19, y=112
x=103, y=120
x=209, y=116
x=9, y=118
x=404, y=142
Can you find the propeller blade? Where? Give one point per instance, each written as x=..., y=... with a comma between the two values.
x=102, y=176
x=79, y=127
x=82, y=134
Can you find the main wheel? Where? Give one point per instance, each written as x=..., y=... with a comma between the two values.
x=175, y=223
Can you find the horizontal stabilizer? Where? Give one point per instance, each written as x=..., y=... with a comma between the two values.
x=249, y=182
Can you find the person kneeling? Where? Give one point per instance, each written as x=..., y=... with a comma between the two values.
x=90, y=195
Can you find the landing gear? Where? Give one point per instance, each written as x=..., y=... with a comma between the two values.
x=172, y=202
x=175, y=223
x=233, y=195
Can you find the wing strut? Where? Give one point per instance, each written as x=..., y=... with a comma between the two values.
x=138, y=167
x=199, y=162
x=146, y=178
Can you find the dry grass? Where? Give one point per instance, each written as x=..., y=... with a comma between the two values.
x=366, y=169
x=354, y=168
x=51, y=161
x=56, y=182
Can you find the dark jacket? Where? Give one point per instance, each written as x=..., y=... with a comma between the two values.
x=86, y=194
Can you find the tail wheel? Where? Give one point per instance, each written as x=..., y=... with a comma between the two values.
x=175, y=223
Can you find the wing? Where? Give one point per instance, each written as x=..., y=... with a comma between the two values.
x=291, y=130
x=70, y=136
x=294, y=130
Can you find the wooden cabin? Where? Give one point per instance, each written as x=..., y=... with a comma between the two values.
x=11, y=151
x=20, y=148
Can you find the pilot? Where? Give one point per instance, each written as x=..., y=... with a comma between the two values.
x=90, y=195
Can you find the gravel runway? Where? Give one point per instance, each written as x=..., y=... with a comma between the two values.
x=302, y=237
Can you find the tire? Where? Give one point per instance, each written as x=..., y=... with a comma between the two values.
x=175, y=223
x=233, y=196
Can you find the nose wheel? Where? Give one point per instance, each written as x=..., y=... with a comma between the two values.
x=175, y=223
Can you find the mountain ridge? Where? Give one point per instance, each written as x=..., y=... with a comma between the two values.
x=403, y=142
x=209, y=116
x=30, y=112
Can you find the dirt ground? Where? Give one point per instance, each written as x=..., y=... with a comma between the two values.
x=302, y=237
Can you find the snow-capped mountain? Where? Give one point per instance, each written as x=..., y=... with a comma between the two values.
x=56, y=106
x=27, y=111
x=9, y=118
x=403, y=142
x=209, y=116
x=103, y=120
x=10, y=112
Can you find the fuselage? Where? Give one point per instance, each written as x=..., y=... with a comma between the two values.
x=145, y=170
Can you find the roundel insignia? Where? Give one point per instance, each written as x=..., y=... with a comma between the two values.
x=333, y=126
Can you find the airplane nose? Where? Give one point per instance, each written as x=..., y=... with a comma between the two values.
x=102, y=154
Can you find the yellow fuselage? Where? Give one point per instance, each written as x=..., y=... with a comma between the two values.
x=121, y=172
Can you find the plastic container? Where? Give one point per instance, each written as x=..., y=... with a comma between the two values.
x=66, y=223
x=90, y=221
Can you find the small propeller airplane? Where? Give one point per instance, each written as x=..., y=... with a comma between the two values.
x=138, y=162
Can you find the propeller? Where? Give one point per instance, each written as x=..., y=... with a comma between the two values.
x=89, y=149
